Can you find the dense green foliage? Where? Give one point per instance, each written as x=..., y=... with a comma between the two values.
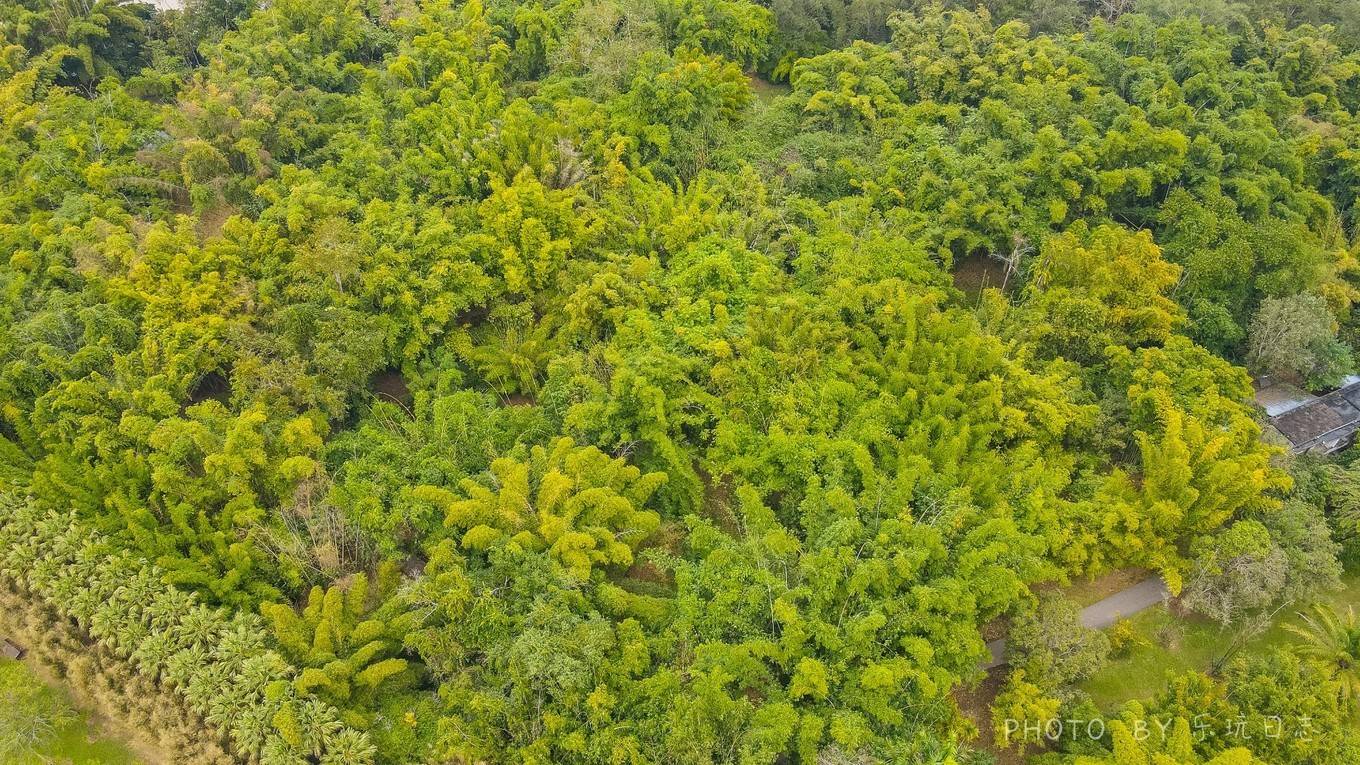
x=507, y=382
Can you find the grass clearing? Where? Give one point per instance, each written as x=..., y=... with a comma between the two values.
x=77, y=740
x=1181, y=644
x=1174, y=645
x=765, y=91
x=1348, y=595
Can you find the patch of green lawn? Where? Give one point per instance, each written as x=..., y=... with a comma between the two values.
x=1142, y=673
x=1348, y=595
x=765, y=91
x=75, y=741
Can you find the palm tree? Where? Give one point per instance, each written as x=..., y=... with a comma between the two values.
x=1335, y=642
x=165, y=609
x=250, y=727
x=347, y=746
x=152, y=654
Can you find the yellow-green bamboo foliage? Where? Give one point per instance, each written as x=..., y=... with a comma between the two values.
x=345, y=643
x=584, y=508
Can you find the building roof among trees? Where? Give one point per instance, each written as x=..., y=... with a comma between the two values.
x=10, y=650
x=1313, y=423
x=1280, y=397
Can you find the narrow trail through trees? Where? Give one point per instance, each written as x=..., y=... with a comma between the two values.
x=1103, y=613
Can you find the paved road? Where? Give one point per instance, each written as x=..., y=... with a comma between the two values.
x=1127, y=602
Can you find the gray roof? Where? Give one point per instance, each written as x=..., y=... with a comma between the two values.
x=1278, y=398
x=1324, y=424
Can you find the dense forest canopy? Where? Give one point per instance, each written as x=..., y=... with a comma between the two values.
x=602, y=381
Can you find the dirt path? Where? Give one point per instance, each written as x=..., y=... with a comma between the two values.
x=1103, y=613
x=1145, y=594
x=976, y=703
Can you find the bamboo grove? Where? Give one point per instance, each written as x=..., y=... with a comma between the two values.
x=597, y=381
